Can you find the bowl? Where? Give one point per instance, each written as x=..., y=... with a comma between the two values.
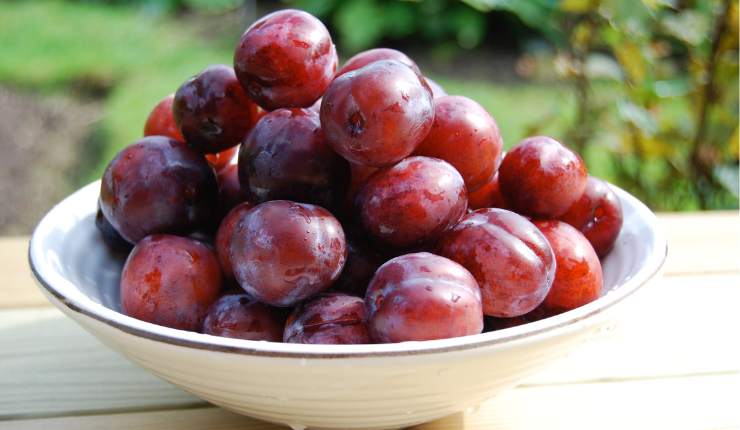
x=327, y=386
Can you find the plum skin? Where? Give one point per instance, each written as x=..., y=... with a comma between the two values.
x=413, y=202
x=286, y=157
x=285, y=59
x=170, y=281
x=230, y=191
x=542, y=178
x=224, y=158
x=109, y=234
x=224, y=235
x=578, y=278
x=487, y=196
x=329, y=318
x=364, y=58
x=508, y=256
x=237, y=316
x=157, y=185
x=161, y=120
x=283, y=252
x=378, y=114
x=465, y=135
x=212, y=110
x=422, y=296
x=362, y=262
x=598, y=215
x=437, y=90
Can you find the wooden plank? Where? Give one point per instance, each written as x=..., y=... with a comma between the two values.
x=695, y=403
x=51, y=367
x=681, y=326
x=677, y=403
x=17, y=288
x=202, y=418
x=706, y=242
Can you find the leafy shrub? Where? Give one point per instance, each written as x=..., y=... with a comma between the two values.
x=655, y=81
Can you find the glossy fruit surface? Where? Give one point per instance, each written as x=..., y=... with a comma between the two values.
x=229, y=189
x=157, y=185
x=170, y=281
x=437, y=90
x=362, y=262
x=109, y=234
x=413, y=202
x=466, y=136
x=508, y=256
x=283, y=252
x=377, y=115
x=364, y=58
x=578, y=279
x=224, y=235
x=286, y=157
x=487, y=196
x=423, y=296
x=598, y=215
x=359, y=175
x=212, y=110
x=224, y=158
x=237, y=316
x=329, y=318
x=285, y=59
x=161, y=120
x=542, y=178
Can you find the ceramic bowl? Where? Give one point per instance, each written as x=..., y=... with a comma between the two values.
x=327, y=386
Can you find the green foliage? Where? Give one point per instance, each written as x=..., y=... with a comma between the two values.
x=674, y=141
x=647, y=90
x=362, y=24
x=665, y=123
x=134, y=57
x=160, y=7
x=139, y=57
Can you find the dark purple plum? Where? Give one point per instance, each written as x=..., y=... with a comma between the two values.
x=237, y=316
x=283, y=252
x=329, y=318
x=286, y=157
x=423, y=296
x=157, y=185
x=212, y=110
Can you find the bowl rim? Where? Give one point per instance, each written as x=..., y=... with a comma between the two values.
x=57, y=286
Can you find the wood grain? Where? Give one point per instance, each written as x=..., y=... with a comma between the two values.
x=705, y=402
x=694, y=403
x=680, y=326
x=17, y=288
x=707, y=242
x=52, y=367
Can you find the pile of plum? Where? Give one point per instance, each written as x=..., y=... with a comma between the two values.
x=283, y=200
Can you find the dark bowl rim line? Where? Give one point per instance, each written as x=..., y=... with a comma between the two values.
x=257, y=348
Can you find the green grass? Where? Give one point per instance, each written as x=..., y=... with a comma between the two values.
x=50, y=46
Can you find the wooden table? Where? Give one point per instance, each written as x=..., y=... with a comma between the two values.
x=673, y=363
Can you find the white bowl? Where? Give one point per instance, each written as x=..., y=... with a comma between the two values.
x=326, y=386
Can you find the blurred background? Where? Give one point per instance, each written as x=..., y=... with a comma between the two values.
x=645, y=90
